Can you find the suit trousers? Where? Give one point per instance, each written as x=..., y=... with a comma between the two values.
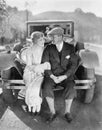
x=68, y=93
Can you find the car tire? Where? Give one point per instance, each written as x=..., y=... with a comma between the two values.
x=8, y=94
x=89, y=94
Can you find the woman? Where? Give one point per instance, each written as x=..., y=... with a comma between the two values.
x=33, y=73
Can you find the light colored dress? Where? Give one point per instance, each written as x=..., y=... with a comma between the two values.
x=33, y=77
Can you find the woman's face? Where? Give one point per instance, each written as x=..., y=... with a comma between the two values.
x=41, y=41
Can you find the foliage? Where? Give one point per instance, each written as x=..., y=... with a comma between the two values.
x=88, y=25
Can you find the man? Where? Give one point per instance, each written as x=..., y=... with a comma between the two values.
x=63, y=61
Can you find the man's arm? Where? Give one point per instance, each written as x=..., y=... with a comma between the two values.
x=74, y=58
x=46, y=58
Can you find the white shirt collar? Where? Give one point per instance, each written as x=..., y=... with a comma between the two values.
x=59, y=46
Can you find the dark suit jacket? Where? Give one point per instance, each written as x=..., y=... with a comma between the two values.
x=79, y=46
x=66, y=64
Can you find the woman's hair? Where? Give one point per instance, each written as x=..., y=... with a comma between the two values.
x=36, y=35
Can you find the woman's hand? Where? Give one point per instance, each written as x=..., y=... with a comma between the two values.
x=39, y=69
x=47, y=66
x=42, y=67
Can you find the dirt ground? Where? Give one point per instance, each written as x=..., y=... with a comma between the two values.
x=85, y=116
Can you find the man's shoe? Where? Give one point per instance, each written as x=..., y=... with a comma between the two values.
x=68, y=117
x=51, y=118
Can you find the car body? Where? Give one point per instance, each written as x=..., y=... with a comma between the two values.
x=85, y=77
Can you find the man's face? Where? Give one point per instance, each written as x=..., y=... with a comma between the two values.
x=57, y=39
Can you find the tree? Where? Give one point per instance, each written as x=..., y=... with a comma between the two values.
x=3, y=10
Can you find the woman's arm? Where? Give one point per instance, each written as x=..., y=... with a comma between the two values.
x=29, y=60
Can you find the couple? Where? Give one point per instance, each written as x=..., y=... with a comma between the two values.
x=49, y=66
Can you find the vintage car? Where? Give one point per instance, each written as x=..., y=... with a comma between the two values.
x=12, y=73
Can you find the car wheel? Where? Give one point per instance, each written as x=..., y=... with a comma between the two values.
x=89, y=94
x=8, y=96
x=90, y=74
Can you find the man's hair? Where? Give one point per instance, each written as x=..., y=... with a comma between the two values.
x=56, y=31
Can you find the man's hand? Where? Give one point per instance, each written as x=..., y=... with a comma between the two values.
x=62, y=77
x=55, y=78
x=58, y=79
